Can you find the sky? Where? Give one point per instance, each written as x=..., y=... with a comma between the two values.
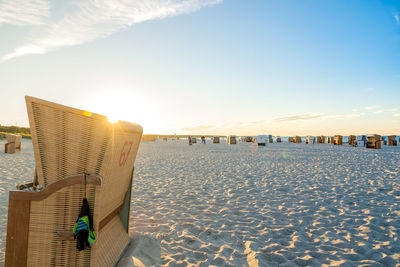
x=208, y=66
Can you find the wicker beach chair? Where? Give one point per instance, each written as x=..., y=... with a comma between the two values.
x=149, y=138
x=231, y=139
x=261, y=140
x=392, y=140
x=352, y=140
x=361, y=140
x=338, y=140
x=247, y=139
x=310, y=140
x=77, y=154
x=13, y=143
x=297, y=139
x=374, y=141
x=321, y=139
x=270, y=139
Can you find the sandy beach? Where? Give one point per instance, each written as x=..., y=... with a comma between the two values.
x=242, y=205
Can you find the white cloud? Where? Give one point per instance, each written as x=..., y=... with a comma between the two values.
x=321, y=115
x=24, y=12
x=95, y=19
x=385, y=110
x=396, y=17
x=371, y=107
x=344, y=116
x=199, y=128
x=240, y=126
x=298, y=117
x=23, y=50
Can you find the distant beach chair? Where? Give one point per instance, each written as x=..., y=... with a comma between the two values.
x=248, y=139
x=361, y=140
x=297, y=139
x=384, y=141
x=338, y=140
x=13, y=143
x=270, y=139
x=310, y=140
x=78, y=154
x=203, y=140
x=216, y=139
x=231, y=139
x=374, y=141
x=392, y=140
x=352, y=140
x=278, y=139
x=149, y=138
x=291, y=140
x=321, y=139
x=194, y=140
x=261, y=140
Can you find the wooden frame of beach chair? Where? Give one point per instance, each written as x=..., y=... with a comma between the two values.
x=77, y=154
x=216, y=140
x=321, y=139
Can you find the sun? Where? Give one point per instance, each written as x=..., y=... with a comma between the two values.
x=123, y=105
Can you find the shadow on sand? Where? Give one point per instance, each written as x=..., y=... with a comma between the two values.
x=142, y=251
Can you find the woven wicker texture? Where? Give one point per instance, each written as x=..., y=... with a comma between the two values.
x=49, y=216
x=111, y=241
x=69, y=141
x=11, y=138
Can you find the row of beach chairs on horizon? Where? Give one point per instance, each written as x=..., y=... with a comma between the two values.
x=373, y=141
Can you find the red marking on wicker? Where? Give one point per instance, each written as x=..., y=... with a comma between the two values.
x=126, y=149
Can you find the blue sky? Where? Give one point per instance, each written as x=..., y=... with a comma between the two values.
x=212, y=67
